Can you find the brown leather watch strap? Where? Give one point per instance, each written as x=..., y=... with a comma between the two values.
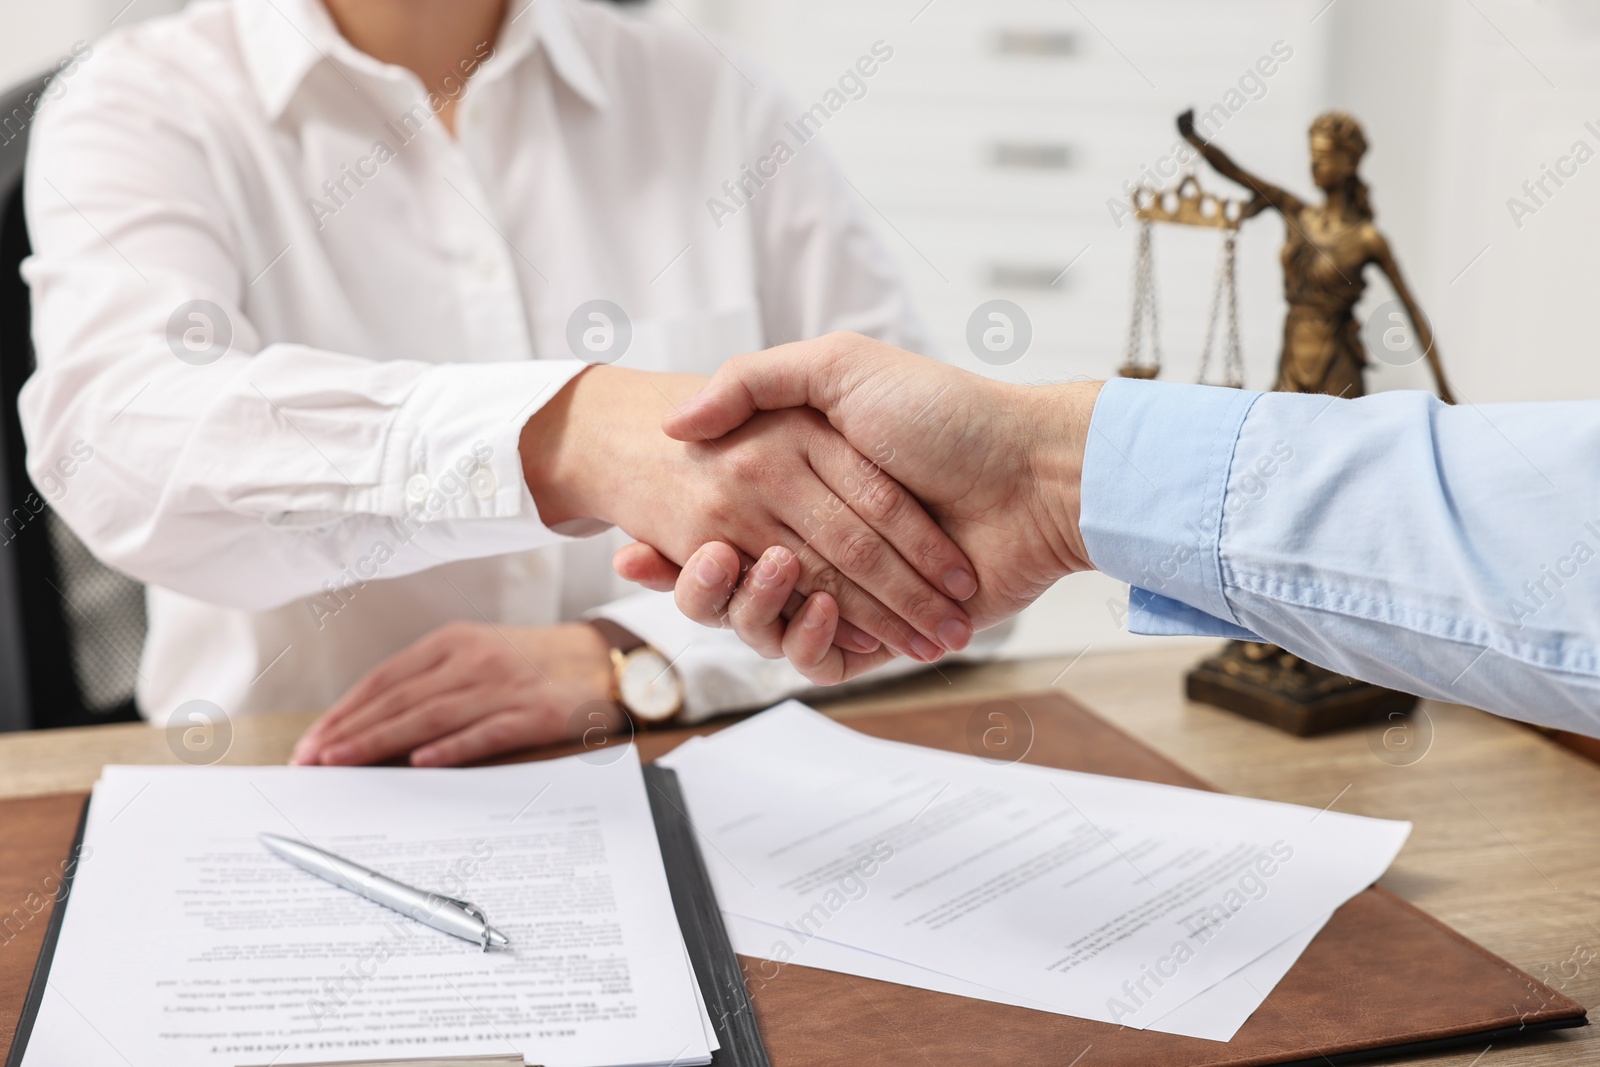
x=618, y=638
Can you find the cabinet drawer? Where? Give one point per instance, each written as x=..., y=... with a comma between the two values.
x=1131, y=54
x=1039, y=161
x=1080, y=317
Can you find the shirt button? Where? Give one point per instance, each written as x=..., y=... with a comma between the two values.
x=483, y=483
x=417, y=488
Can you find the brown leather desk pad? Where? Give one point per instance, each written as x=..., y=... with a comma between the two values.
x=1382, y=977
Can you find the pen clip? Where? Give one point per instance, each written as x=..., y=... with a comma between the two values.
x=483, y=920
x=472, y=911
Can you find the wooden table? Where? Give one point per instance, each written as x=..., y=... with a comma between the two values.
x=1506, y=845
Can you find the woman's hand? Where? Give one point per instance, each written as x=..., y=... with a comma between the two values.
x=466, y=692
x=759, y=609
x=858, y=541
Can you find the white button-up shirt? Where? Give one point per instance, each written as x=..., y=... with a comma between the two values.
x=301, y=326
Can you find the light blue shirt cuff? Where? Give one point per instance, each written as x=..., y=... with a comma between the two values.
x=1156, y=615
x=1155, y=472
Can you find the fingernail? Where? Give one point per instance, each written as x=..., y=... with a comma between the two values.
x=815, y=616
x=954, y=634
x=338, y=754
x=925, y=650
x=861, y=642
x=960, y=584
x=708, y=573
x=766, y=572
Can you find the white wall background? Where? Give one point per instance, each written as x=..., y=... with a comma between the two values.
x=1462, y=102
x=35, y=34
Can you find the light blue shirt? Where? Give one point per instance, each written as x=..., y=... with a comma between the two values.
x=1451, y=552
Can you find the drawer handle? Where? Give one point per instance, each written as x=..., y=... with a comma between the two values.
x=1038, y=44
x=1027, y=155
x=1028, y=276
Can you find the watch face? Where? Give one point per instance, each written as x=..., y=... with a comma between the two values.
x=649, y=686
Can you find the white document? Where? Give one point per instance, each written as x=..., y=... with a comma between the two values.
x=1219, y=1012
x=1099, y=897
x=1215, y=1015
x=187, y=943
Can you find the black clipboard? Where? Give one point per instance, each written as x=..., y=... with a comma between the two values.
x=710, y=952
x=717, y=968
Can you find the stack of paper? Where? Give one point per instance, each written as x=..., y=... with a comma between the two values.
x=187, y=943
x=1146, y=905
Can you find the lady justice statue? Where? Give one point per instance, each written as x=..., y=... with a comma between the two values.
x=1325, y=255
x=1326, y=251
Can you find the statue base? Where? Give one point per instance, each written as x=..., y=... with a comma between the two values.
x=1265, y=683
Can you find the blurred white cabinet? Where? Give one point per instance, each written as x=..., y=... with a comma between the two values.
x=989, y=147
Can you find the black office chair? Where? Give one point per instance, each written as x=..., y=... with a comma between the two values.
x=71, y=628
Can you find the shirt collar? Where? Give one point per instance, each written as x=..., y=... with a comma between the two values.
x=282, y=40
x=562, y=44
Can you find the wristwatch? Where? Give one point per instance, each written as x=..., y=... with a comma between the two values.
x=646, y=685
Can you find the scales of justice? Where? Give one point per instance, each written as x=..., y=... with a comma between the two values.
x=1327, y=248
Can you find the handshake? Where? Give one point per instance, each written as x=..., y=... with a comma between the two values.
x=836, y=501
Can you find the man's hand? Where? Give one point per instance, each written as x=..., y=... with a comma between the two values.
x=466, y=692
x=997, y=464
x=859, y=545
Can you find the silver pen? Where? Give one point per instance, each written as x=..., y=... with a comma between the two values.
x=453, y=916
